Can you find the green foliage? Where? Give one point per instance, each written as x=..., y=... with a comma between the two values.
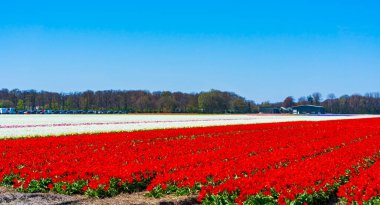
x=8, y=179
x=216, y=101
x=220, y=199
x=20, y=105
x=117, y=186
x=112, y=188
x=212, y=102
x=6, y=103
x=38, y=186
x=70, y=188
x=372, y=201
x=136, y=186
x=97, y=193
x=55, y=106
x=315, y=198
x=158, y=191
x=260, y=199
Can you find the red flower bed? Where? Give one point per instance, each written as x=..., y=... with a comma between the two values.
x=364, y=187
x=305, y=162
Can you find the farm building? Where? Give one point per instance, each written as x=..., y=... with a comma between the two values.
x=269, y=110
x=275, y=110
x=308, y=109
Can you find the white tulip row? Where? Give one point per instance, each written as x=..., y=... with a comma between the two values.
x=14, y=126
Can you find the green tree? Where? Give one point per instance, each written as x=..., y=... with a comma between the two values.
x=54, y=106
x=239, y=105
x=212, y=102
x=166, y=103
x=69, y=105
x=20, y=105
x=6, y=103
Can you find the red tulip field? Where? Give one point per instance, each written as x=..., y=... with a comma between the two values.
x=273, y=163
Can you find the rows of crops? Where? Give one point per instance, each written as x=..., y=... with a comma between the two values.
x=277, y=163
x=14, y=126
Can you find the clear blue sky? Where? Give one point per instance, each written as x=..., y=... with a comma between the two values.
x=263, y=50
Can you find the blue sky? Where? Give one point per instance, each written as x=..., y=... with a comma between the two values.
x=262, y=50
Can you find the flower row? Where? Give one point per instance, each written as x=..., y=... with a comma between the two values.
x=281, y=162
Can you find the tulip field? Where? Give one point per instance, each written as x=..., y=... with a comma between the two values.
x=288, y=162
x=13, y=126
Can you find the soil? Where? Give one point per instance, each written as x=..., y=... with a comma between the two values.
x=11, y=197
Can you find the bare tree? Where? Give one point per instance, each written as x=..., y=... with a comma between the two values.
x=302, y=101
x=317, y=97
x=331, y=96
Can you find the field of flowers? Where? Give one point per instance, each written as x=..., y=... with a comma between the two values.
x=274, y=163
x=13, y=126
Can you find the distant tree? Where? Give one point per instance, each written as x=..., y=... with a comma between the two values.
x=317, y=97
x=86, y=100
x=20, y=105
x=30, y=98
x=211, y=102
x=14, y=95
x=54, y=106
x=69, y=103
x=166, y=102
x=310, y=99
x=144, y=103
x=288, y=102
x=54, y=101
x=330, y=103
x=331, y=96
x=192, y=105
x=216, y=101
x=4, y=94
x=250, y=107
x=266, y=104
x=239, y=106
x=302, y=101
x=6, y=103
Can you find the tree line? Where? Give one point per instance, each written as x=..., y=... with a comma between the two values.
x=345, y=104
x=213, y=101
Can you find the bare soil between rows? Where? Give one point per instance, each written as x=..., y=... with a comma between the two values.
x=11, y=197
x=8, y=196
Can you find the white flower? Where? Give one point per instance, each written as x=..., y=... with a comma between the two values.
x=14, y=126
